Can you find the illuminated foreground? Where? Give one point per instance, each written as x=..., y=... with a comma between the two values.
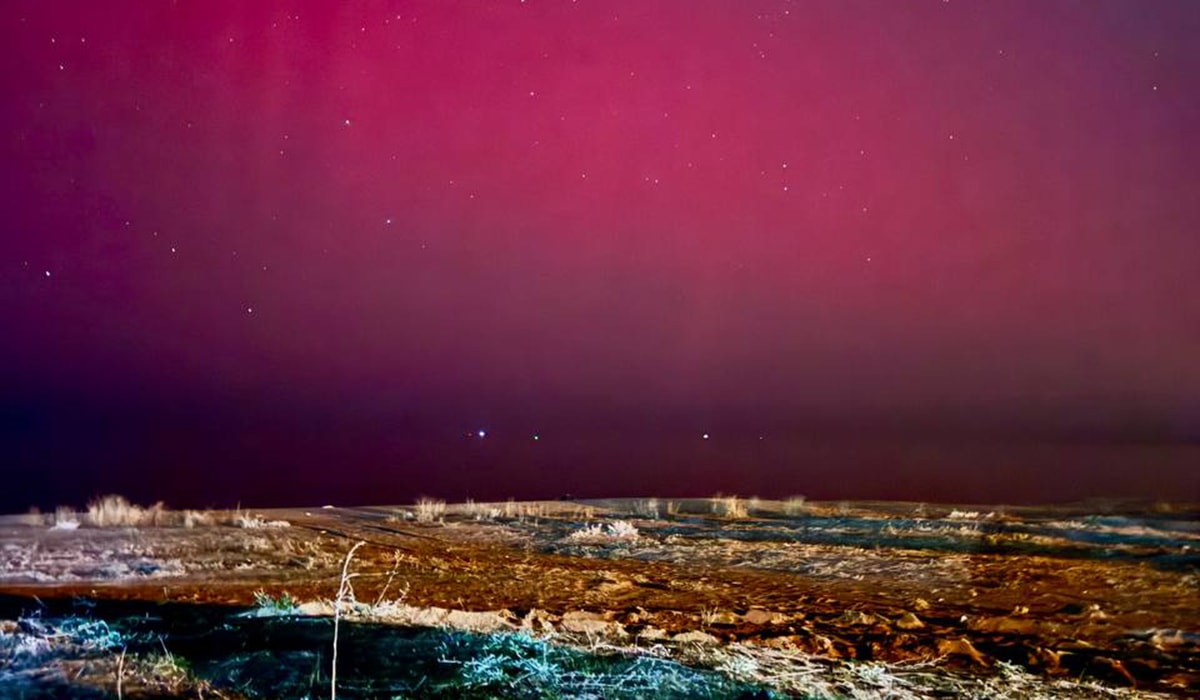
x=695, y=598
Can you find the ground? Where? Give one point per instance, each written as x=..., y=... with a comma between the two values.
x=735, y=598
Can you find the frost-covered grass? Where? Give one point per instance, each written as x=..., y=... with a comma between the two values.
x=43, y=656
x=795, y=673
x=606, y=533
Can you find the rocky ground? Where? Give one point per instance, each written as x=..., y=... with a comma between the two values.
x=791, y=597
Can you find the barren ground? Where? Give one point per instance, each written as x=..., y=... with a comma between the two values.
x=1106, y=602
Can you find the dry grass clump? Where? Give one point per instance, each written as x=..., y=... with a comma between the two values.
x=647, y=508
x=730, y=507
x=430, y=510
x=196, y=518
x=116, y=511
x=481, y=511
x=794, y=505
x=65, y=518
x=521, y=511
x=252, y=522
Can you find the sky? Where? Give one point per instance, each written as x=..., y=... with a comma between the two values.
x=305, y=252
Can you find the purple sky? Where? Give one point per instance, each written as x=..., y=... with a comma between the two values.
x=298, y=251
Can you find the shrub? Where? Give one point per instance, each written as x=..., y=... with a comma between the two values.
x=430, y=510
x=115, y=511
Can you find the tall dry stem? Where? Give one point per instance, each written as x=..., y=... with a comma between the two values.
x=343, y=590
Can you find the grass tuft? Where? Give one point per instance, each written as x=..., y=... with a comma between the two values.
x=430, y=510
x=730, y=507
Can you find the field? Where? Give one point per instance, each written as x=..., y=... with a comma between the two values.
x=720, y=598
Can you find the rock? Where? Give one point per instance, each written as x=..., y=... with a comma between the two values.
x=652, y=633
x=637, y=617
x=909, y=621
x=857, y=617
x=584, y=622
x=696, y=637
x=921, y=604
x=758, y=616
x=961, y=647
x=315, y=608
x=1010, y=625
x=790, y=642
x=539, y=621
x=486, y=621
x=1117, y=668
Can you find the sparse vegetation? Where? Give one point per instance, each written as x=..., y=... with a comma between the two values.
x=254, y=522
x=794, y=505
x=116, y=511
x=730, y=507
x=520, y=665
x=76, y=656
x=196, y=518
x=430, y=510
x=65, y=518
x=481, y=511
x=647, y=508
x=283, y=604
x=523, y=511
x=345, y=592
x=607, y=533
x=690, y=619
x=38, y=656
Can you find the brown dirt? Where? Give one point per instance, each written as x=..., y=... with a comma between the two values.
x=1126, y=621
